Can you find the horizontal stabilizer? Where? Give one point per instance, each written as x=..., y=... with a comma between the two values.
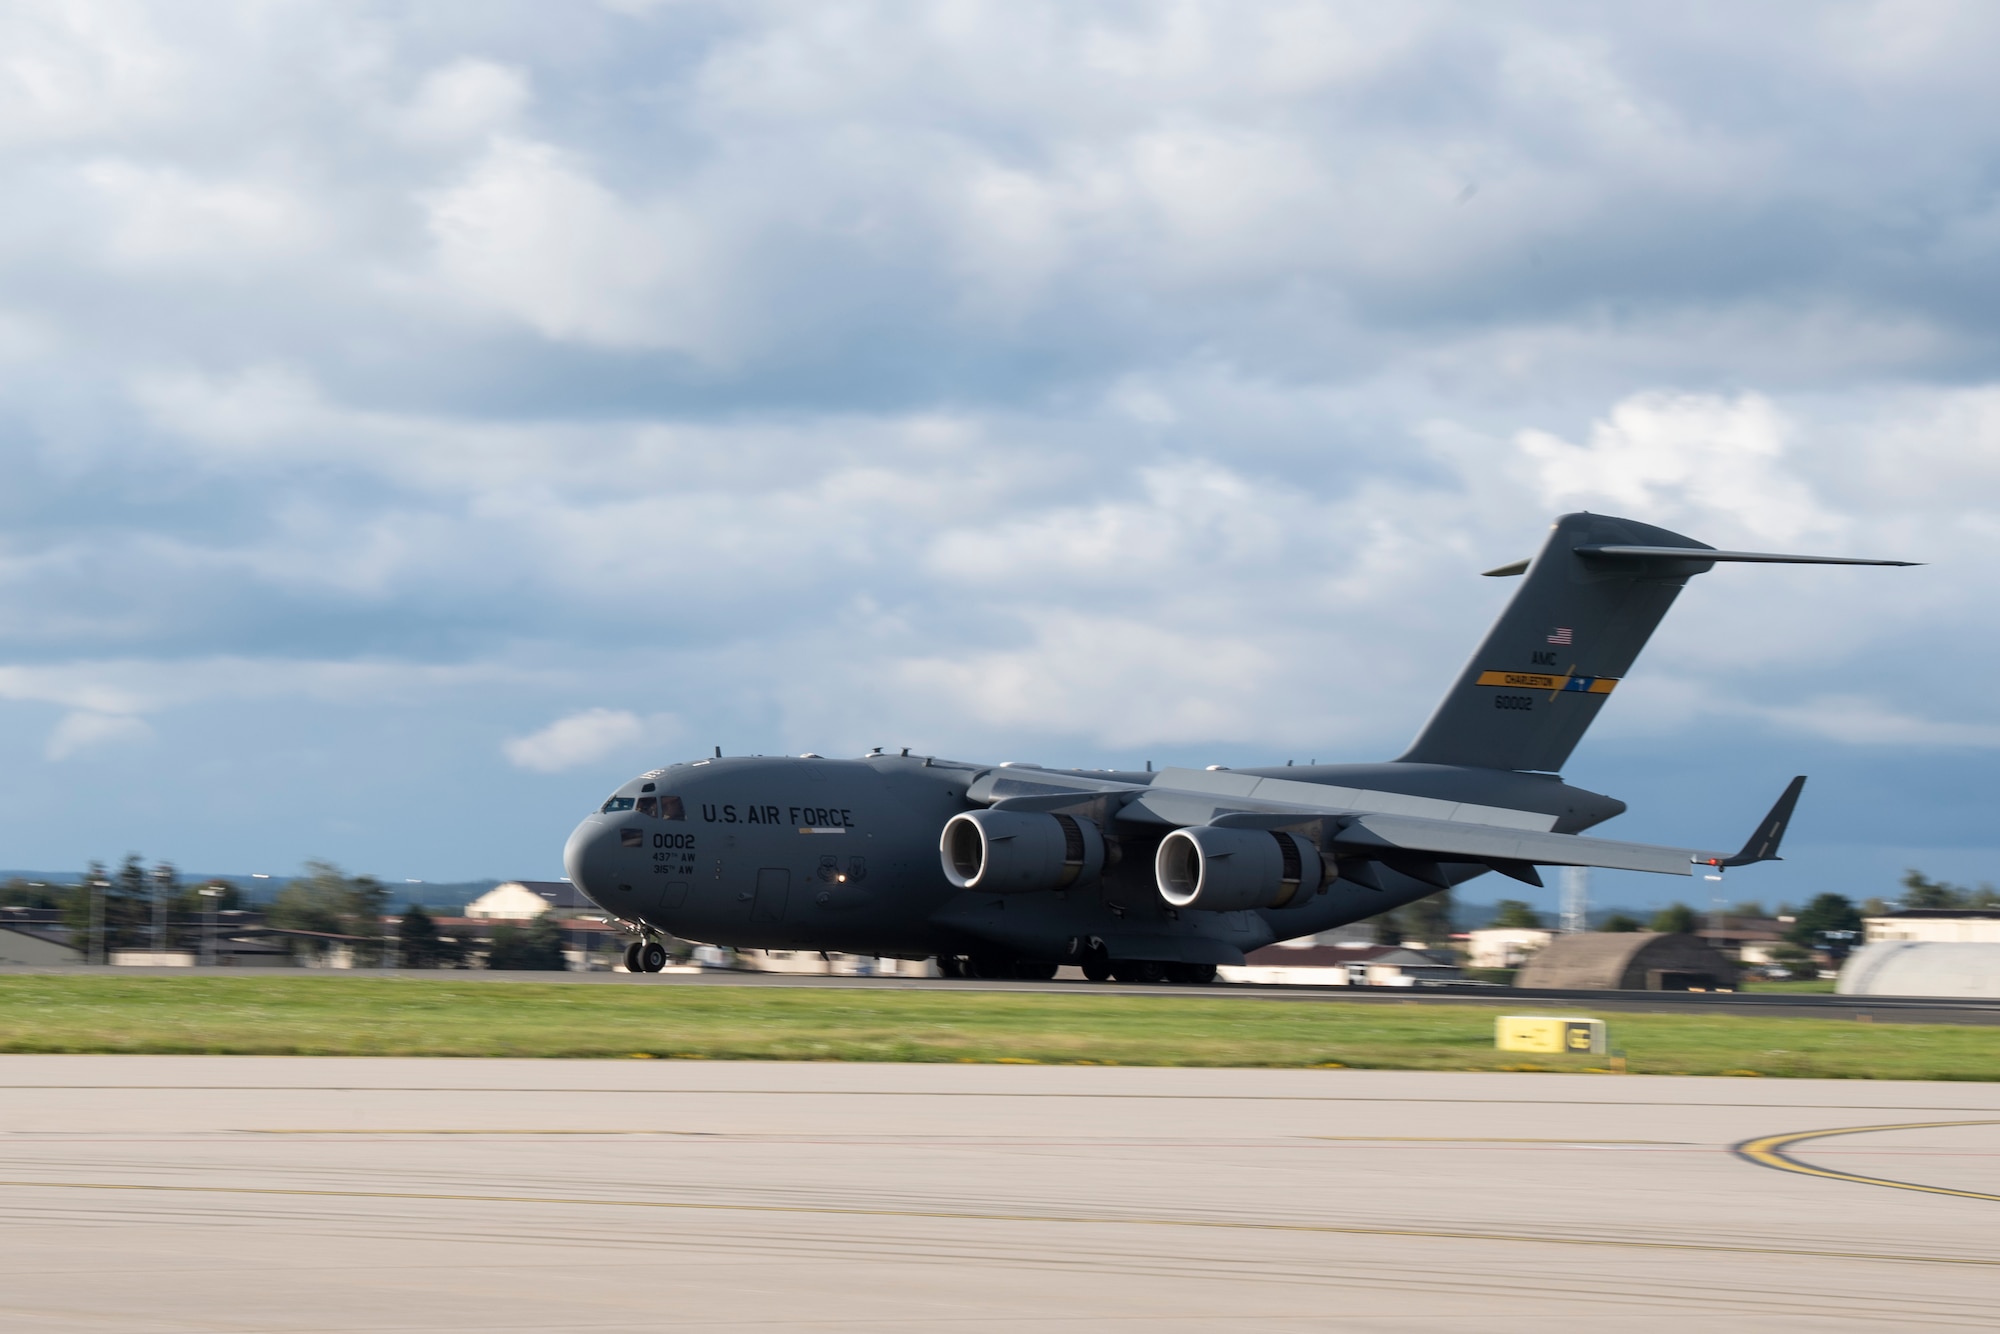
x=1605, y=552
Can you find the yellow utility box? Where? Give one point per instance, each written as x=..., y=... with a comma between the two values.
x=1549, y=1033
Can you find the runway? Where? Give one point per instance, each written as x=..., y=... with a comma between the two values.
x=284, y=1194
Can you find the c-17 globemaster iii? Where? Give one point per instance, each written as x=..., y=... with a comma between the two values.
x=1011, y=870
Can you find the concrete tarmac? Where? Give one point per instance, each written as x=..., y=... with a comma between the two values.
x=284, y=1194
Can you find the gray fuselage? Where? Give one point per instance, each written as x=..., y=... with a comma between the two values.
x=842, y=855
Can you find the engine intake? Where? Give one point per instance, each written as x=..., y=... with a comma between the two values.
x=1223, y=870
x=1018, y=852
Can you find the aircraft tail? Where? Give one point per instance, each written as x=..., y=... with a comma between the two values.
x=1591, y=600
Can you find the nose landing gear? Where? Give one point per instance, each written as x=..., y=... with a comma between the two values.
x=645, y=956
x=1096, y=962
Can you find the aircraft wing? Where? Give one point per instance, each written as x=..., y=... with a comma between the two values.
x=1358, y=827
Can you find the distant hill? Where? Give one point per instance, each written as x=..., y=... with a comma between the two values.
x=452, y=894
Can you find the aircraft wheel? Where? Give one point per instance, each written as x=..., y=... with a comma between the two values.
x=1139, y=970
x=990, y=967
x=1031, y=970
x=1097, y=966
x=654, y=957
x=1192, y=974
x=949, y=966
x=632, y=963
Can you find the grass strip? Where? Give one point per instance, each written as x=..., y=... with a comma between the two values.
x=350, y=1016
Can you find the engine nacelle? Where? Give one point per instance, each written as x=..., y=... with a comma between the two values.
x=1018, y=852
x=1222, y=870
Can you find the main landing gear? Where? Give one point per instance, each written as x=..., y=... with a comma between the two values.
x=645, y=956
x=1099, y=966
x=995, y=967
x=1096, y=963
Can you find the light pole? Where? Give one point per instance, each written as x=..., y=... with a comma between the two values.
x=98, y=954
x=212, y=895
x=1575, y=899
x=163, y=880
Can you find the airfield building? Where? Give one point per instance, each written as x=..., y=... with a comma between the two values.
x=1628, y=961
x=1955, y=925
x=519, y=900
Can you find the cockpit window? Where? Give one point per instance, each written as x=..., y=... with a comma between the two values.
x=615, y=804
x=666, y=808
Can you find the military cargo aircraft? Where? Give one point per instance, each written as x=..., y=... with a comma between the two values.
x=1011, y=870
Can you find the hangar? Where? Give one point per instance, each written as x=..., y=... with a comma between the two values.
x=26, y=946
x=1627, y=961
x=1922, y=968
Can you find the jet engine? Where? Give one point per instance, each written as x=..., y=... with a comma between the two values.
x=1016, y=852
x=1222, y=870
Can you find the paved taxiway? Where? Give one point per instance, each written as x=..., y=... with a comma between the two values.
x=276, y=1194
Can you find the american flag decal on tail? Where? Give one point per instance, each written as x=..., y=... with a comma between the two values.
x=1562, y=634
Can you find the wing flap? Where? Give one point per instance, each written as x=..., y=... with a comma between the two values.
x=1383, y=837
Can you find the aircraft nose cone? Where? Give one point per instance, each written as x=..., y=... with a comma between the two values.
x=591, y=860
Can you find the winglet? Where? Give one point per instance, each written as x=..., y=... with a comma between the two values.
x=1762, y=845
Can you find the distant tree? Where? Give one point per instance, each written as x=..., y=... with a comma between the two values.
x=1870, y=907
x=313, y=902
x=328, y=902
x=1919, y=891
x=130, y=905
x=1387, y=927
x=1515, y=913
x=189, y=901
x=461, y=945
x=113, y=905
x=1827, y=912
x=19, y=893
x=1429, y=918
x=538, y=946
x=1619, y=921
x=367, y=901
x=1747, y=908
x=419, y=945
x=1675, y=919
x=188, y=910
x=1984, y=897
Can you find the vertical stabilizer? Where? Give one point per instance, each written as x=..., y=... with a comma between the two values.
x=1559, y=649
x=1588, y=605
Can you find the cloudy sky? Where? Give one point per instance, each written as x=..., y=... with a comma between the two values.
x=416, y=418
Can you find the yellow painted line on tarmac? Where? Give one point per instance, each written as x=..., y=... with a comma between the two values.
x=1770, y=1152
x=973, y=1216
